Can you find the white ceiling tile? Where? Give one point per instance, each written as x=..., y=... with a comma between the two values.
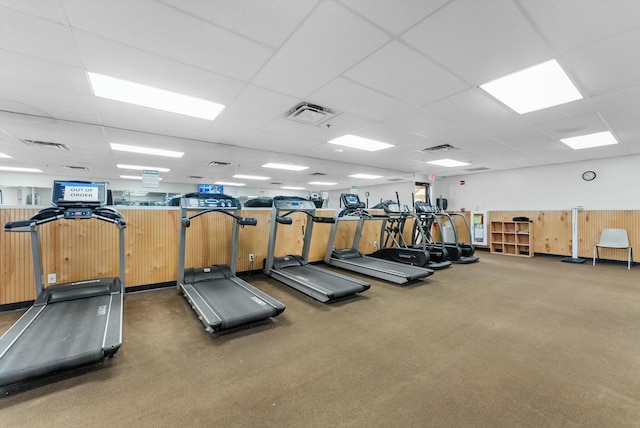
x=30, y=35
x=104, y=56
x=256, y=107
x=132, y=117
x=322, y=48
x=346, y=96
x=268, y=22
x=570, y=24
x=159, y=29
x=422, y=122
x=340, y=125
x=470, y=109
x=42, y=72
x=479, y=40
x=49, y=101
x=46, y=9
x=607, y=66
x=574, y=126
x=524, y=137
x=404, y=74
x=394, y=16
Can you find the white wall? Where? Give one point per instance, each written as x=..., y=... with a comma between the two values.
x=552, y=187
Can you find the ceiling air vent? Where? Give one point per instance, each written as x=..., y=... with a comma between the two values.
x=310, y=114
x=218, y=163
x=197, y=177
x=276, y=184
x=46, y=144
x=76, y=168
x=480, y=168
x=318, y=174
x=441, y=147
x=394, y=179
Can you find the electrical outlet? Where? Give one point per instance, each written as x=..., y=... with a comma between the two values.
x=251, y=257
x=375, y=244
x=51, y=278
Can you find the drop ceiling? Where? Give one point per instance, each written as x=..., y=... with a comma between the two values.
x=404, y=72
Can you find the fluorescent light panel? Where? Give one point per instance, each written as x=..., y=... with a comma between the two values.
x=145, y=150
x=4, y=156
x=534, y=88
x=360, y=143
x=449, y=163
x=591, y=140
x=322, y=183
x=140, y=168
x=285, y=166
x=156, y=98
x=229, y=183
x=292, y=188
x=366, y=176
x=19, y=169
x=251, y=177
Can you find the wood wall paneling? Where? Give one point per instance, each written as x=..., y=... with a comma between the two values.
x=81, y=249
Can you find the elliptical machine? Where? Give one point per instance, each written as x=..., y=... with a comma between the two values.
x=429, y=218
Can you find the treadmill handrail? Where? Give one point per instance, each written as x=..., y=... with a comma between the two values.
x=248, y=221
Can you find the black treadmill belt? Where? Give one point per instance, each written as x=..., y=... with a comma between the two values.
x=232, y=303
x=340, y=287
x=64, y=336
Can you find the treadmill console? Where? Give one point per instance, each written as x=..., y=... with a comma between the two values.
x=351, y=201
x=423, y=208
x=293, y=203
x=211, y=201
x=79, y=194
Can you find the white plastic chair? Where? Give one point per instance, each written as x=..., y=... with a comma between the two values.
x=613, y=238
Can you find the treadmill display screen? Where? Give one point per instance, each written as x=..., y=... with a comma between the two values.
x=351, y=200
x=79, y=193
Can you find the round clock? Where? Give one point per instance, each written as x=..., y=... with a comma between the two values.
x=588, y=175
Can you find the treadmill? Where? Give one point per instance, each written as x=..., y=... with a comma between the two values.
x=352, y=259
x=295, y=271
x=71, y=327
x=223, y=301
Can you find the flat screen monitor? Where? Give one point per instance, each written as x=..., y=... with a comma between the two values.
x=351, y=200
x=210, y=188
x=79, y=193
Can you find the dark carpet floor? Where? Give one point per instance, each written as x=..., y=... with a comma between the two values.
x=506, y=342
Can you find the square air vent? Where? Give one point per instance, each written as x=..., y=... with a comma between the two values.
x=76, y=168
x=46, y=145
x=480, y=168
x=317, y=174
x=441, y=147
x=394, y=179
x=197, y=177
x=276, y=184
x=218, y=163
x=310, y=114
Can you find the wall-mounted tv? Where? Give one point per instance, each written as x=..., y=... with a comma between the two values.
x=210, y=188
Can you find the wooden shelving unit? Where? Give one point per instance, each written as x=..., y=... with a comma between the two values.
x=513, y=238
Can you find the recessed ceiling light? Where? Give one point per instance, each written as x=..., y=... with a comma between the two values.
x=285, y=166
x=145, y=150
x=156, y=98
x=591, y=140
x=4, y=156
x=534, y=88
x=230, y=183
x=141, y=168
x=251, y=177
x=361, y=143
x=322, y=183
x=292, y=188
x=19, y=169
x=450, y=163
x=366, y=176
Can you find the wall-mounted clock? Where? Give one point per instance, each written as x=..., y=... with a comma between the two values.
x=588, y=175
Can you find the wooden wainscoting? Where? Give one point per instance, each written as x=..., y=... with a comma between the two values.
x=552, y=230
x=77, y=249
